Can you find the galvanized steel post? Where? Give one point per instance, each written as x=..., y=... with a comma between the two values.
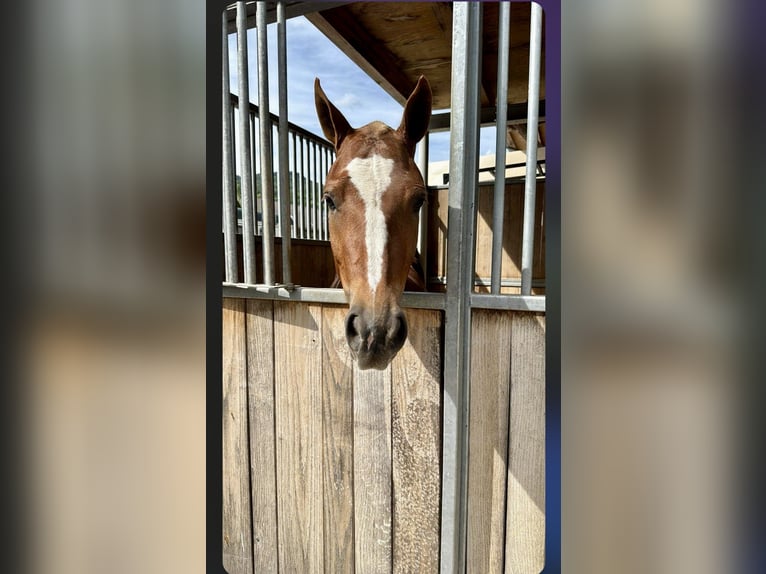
x=464, y=139
x=530, y=181
x=284, y=151
x=246, y=172
x=267, y=171
x=498, y=210
x=229, y=194
x=423, y=228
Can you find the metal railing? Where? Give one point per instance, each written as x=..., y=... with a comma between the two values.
x=310, y=157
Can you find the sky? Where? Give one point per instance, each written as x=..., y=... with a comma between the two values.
x=309, y=55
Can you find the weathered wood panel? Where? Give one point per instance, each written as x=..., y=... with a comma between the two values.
x=237, y=541
x=372, y=470
x=338, y=443
x=345, y=464
x=260, y=383
x=488, y=436
x=298, y=401
x=416, y=444
x=525, y=525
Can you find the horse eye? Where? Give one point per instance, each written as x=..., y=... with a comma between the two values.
x=419, y=201
x=330, y=202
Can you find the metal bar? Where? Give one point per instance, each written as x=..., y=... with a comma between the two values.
x=486, y=282
x=408, y=300
x=229, y=193
x=254, y=167
x=423, y=227
x=464, y=139
x=267, y=172
x=246, y=173
x=322, y=172
x=530, y=185
x=509, y=302
x=293, y=127
x=305, y=188
x=498, y=209
x=317, y=193
x=284, y=151
x=291, y=174
x=312, y=202
x=299, y=202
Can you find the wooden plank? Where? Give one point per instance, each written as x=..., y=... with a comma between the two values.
x=372, y=470
x=260, y=382
x=416, y=444
x=298, y=401
x=338, y=443
x=525, y=525
x=488, y=436
x=237, y=540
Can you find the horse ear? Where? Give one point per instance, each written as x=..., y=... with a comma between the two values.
x=417, y=114
x=334, y=125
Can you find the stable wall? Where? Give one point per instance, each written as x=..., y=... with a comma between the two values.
x=331, y=469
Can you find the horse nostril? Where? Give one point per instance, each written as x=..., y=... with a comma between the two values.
x=397, y=333
x=354, y=328
x=351, y=330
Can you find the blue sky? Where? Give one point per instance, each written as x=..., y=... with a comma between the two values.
x=310, y=54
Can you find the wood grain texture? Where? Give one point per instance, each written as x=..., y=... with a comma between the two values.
x=416, y=445
x=525, y=525
x=260, y=384
x=338, y=443
x=372, y=471
x=298, y=400
x=237, y=540
x=488, y=436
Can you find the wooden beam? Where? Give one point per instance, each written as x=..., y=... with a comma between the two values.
x=344, y=30
x=292, y=10
x=488, y=56
x=516, y=113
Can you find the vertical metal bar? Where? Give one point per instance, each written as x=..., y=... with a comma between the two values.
x=229, y=193
x=246, y=173
x=315, y=188
x=299, y=184
x=302, y=186
x=305, y=188
x=284, y=151
x=322, y=172
x=463, y=177
x=277, y=176
x=312, y=200
x=423, y=228
x=498, y=210
x=296, y=187
x=324, y=182
x=267, y=173
x=291, y=177
x=530, y=181
x=254, y=167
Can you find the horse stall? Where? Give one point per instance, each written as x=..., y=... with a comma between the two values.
x=437, y=462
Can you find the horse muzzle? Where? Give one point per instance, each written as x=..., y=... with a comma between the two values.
x=375, y=338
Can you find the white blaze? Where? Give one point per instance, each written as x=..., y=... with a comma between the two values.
x=371, y=177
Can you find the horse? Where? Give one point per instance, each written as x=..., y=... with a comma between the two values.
x=374, y=192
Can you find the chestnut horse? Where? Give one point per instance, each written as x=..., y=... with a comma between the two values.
x=374, y=192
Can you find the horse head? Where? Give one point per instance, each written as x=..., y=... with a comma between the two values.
x=374, y=192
